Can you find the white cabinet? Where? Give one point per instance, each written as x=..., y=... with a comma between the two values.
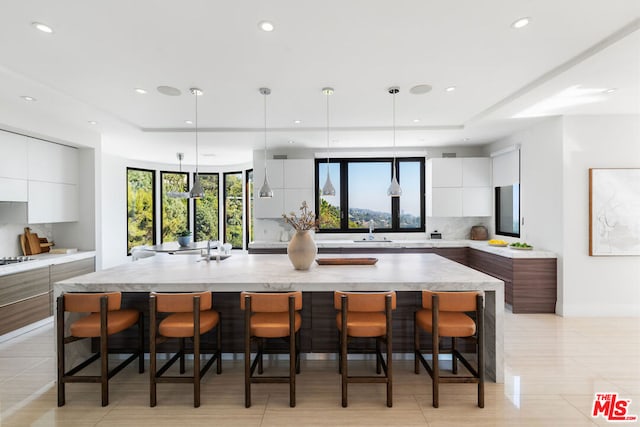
x=298, y=173
x=13, y=167
x=458, y=187
x=275, y=172
x=476, y=172
x=293, y=198
x=52, y=162
x=52, y=202
x=292, y=182
x=476, y=201
x=13, y=190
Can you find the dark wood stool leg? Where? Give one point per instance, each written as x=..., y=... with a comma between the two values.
x=141, y=344
x=181, y=350
x=61, y=352
x=247, y=352
x=436, y=352
x=219, y=346
x=480, y=348
x=292, y=352
x=378, y=356
x=152, y=351
x=104, y=351
x=389, y=339
x=259, y=355
x=196, y=352
x=454, y=359
x=416, y=344
x=343, y=351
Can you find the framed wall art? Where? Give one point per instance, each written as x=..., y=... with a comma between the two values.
x=614, y=212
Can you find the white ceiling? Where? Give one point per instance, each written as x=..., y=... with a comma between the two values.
x=100, y=51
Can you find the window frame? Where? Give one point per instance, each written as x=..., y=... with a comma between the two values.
x=153, y=204
x=344, y=196
x=248, y=204
x=162, y=201
x=195, y=204
x=224, y=209
x=499, y=230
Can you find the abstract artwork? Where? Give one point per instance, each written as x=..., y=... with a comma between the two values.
x=614, y=212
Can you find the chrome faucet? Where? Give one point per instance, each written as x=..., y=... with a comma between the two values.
x=371, y=228
x=208, y=250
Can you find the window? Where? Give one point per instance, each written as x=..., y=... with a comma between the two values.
x=206, y=218
x=249, y=199
x=361, y=195
x=175, y=210
x=233, y=208
x=508, y=210
x=140, y=207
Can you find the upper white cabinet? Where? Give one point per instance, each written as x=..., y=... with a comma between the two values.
x=476, y=171
x=292, y=182
x=52, y=162
x=13, y=167
x=52, y=202
x=458, y=187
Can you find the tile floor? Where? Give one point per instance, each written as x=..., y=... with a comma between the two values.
x=554, y=367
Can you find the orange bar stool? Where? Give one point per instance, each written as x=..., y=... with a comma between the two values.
x=105, y=319
x=191, y=316
x=271, y=315
x=444, y=315
x=366, y=315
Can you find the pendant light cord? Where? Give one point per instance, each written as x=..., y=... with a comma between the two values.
x=196, y=95
x=394, y=133
x=328, y=139
x=264, y=95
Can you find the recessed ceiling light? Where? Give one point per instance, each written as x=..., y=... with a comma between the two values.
x=297, y=122
x=28, y=98
x=467, y=139
x=266, y=26
x=93, y=122
x=416, y=120
x=189, y=122
x=291, y=141
x=420, y=89
x=450, y=89
x=42, y=27
x=140, y=91
x=613, y=89
x=208, y=155
x=169, y=90
x=521, y=23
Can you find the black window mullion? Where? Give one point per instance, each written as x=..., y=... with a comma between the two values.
x=395, y=201
x=344, y=197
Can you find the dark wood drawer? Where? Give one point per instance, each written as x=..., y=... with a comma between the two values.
x=23, y=313
x=20, y=286
x=72, y=269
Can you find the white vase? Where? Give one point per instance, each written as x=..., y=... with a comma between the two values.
x=302, y=250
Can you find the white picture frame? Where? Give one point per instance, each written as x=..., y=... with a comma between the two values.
x=614, y=211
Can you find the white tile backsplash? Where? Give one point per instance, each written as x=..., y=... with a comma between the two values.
x=10, y=240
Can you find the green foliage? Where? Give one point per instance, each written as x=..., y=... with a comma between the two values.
x=139, y=208
x=233, y=209
x=206, y=225
x=329, y=215
x=174, y=211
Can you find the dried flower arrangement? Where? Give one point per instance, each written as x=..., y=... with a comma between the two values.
x=306, y=220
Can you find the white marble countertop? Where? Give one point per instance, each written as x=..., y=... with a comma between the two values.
x=44, y=260
x=275, y=272
x=481, y=245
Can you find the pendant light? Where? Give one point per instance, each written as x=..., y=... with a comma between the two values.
x=394, y=189
x=265, y=190
x=196, y=191
x=179, y=194
x=328, y=189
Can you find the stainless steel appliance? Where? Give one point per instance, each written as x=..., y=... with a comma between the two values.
x=14, y=259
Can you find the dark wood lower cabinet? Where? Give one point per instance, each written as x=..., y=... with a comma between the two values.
x=530, y=284
x=23, y=313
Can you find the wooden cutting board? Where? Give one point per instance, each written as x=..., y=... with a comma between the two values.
x=33, y=242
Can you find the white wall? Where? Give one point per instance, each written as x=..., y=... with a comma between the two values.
x=556, y=155
x=596, y=286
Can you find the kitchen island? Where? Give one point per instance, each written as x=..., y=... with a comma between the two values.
x=406, y=273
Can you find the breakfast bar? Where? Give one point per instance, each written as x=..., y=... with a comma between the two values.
x=406, y=273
